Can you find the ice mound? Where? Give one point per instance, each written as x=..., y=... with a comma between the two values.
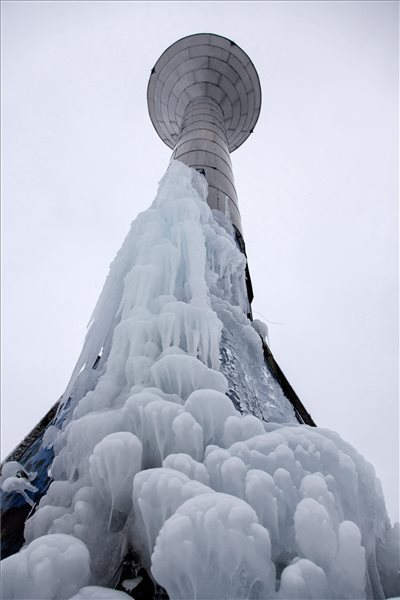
x=95, y=592
x=303, y=580
x=157, y=494
x=112, y=467
x=50, y=436
x=182, y=374
x=214, y=547
x=51, y=567
x=185, y=464
x=182, y=451
x=13, y=468
x=210, y=409
x=19, y=485
x=14, y=478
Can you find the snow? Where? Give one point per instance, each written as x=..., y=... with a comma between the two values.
x=181, y=448
x=261, y=328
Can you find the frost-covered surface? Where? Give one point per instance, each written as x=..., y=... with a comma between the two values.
x=15, y=478
x=50, y=436
x=95, y=592
x=53, y=566
x=214, y=498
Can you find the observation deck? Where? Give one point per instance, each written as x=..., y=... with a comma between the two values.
x=204, y=100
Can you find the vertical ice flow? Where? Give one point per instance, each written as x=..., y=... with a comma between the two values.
x=182, y=451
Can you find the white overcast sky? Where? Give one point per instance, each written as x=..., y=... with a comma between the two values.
x=317, y=185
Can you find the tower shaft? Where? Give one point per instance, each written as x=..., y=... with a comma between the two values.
x=204, y=99
x=203, y=144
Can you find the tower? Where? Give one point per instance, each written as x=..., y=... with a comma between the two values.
x=180, y=463
x=204, y=99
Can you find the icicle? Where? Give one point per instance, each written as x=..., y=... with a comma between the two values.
x=215, y=503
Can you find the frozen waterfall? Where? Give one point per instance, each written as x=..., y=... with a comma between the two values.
x=183, y=454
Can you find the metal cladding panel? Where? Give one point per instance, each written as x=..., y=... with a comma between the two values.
x=208, y=136
x=204, y=99
x=220, y=181
x=204, y=65
x=218, y=200
x=215, y=154
x=204, y=159
x=213, y=159
x=202, y=122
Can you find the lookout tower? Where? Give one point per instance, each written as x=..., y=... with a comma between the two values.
x=204, y=99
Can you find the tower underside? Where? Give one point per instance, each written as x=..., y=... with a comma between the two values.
x=204, y=99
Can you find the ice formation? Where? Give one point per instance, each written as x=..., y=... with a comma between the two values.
x=112, y=467
x=182, y=450
x=95, y=592
x=14, y=478
x=223, y=552
x=53, y=566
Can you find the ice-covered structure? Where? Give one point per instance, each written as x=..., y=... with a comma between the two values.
x=179, y=462
x=207, y=500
